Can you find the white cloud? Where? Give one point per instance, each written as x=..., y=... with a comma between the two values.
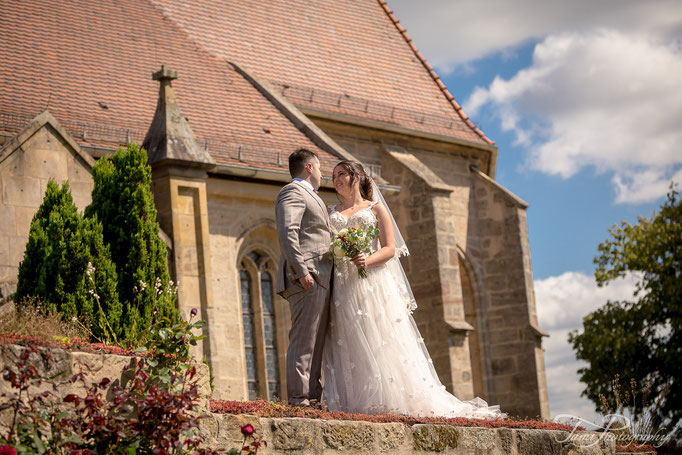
x=562, y=301
x=603, y=91
x=604, y=99
x=455, y=32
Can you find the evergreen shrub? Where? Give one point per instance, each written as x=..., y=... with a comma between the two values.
x=122, y=200
x=67, y=266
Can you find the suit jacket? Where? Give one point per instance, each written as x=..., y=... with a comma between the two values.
x=304, y=237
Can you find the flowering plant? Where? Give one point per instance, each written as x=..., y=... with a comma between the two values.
x=353, y=241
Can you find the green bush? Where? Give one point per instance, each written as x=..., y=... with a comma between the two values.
x=122, y=200
x=67, y=265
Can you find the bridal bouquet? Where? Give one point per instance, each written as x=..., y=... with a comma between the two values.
x=351, y=242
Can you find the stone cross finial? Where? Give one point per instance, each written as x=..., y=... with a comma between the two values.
x=169, y=138
x=165, y=74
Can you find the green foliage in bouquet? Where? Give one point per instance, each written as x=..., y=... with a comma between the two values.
x=67, y=265
x=353, y=241
x=122, y=200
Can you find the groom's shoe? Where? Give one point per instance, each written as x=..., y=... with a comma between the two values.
x=317, y=404
x=304, y=403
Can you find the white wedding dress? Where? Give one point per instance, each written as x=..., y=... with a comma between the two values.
x=375, y=360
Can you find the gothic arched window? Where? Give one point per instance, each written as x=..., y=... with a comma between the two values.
x=249, y=338
x=270, y=332
x=260, y=323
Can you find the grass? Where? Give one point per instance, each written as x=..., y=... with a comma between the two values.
x=31, y=319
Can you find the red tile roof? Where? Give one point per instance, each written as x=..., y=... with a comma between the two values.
x=90, y=64
x=348, y=57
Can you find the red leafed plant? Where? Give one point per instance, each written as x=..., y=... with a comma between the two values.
x=264, y=408
x=153, y=410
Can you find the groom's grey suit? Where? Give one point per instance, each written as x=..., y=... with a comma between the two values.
x=304, y=237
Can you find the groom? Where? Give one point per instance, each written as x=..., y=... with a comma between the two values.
x=304, y=274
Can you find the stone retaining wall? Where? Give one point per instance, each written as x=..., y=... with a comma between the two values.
x=312, y=436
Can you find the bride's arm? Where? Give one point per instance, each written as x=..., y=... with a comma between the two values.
x=387, y=250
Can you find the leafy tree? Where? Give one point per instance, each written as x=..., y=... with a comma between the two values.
x=67, y=265
x=639, y=339
x=123, y=201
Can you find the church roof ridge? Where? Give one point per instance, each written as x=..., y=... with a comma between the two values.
x=443, y=88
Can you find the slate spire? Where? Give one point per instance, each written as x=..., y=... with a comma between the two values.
x=169, y=138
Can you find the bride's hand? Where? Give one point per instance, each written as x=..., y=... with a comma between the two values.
x=359, y=261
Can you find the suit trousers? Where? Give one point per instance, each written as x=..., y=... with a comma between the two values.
x=309, y=320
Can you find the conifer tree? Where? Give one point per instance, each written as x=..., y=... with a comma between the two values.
x=67, y=266
x=122, y=200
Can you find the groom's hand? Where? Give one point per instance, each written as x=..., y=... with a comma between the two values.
x=306, y=281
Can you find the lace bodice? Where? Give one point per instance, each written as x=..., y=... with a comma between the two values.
x=361, y=219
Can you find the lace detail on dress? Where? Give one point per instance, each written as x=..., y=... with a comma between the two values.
x=362, y=219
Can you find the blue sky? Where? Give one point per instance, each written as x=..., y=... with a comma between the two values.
x=584, y=101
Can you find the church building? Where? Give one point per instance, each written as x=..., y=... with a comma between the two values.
x=220, y=93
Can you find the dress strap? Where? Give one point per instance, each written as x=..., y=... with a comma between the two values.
x=373, y=204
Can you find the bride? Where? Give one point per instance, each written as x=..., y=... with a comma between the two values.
x=375, y=360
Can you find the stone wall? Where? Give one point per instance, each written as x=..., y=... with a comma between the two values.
x=513, y=338
x=40, y=152
x=310, y=436
x=56, y=367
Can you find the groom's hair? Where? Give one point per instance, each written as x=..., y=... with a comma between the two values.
x=299, y=159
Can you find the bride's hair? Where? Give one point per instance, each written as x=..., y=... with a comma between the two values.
x=356, y=171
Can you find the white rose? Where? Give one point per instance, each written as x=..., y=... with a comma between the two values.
x=343, y=232
x=338, y=252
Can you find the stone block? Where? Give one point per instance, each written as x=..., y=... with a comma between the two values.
x=82, y=193
x=537, y=442
x=186, y=259
x=5, y=254
x=294, y=434
x=435, y=438
x=17, y=245
x=44, y=163
x=8, y=226
x=504, y=365
x=8, y=273
x=346, y=435
x=23, y=217
x=21, y=191
x=226, y=428
x=391, y=436
x=477, y=440
x=189, y=293
x=77, y=171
